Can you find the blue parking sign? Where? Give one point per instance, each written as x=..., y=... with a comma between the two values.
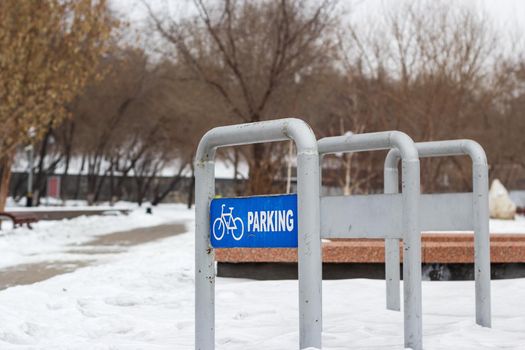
x=254, y=222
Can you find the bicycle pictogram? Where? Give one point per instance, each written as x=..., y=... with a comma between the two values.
x=227, y=223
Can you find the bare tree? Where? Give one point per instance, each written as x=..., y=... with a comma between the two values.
x=250, y=54
x=49, y=50
x=433, y=65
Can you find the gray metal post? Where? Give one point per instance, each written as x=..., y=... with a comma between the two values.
x=412, y=253
x=411, y=231
x=309, y=251
x=309, y=240
x=204, y=255
x=480, y=214
x=392, y=268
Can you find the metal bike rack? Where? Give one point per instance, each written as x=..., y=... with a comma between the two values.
x=392, y=216
x=467, y=211
x=389, y=216
x=309, y=241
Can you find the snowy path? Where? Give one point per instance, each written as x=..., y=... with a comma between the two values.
x=88, y=253
x=58, y=240
x=143, y=299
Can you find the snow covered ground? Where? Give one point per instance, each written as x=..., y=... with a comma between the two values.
x=516, y=226
x=49, y=239
x=143, y=299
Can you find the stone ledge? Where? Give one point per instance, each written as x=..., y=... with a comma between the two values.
x=437, y=248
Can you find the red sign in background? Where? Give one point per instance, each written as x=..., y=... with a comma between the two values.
x=53, y=187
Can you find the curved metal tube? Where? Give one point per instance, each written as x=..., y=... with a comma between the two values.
x=369, y=142
x=441, y=149
x=259, y=132
x=412, y=234
x=480, y=219
x=309, y=240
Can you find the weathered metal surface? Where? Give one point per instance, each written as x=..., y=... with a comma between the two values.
x=480, y=217
x=380, y=215
x=309, y=241
x=409, y=216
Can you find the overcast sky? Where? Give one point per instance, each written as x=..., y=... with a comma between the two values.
x=508, y=12
x=508, y=15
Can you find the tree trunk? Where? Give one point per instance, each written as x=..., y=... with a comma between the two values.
x=191, y=187
x=68, y=146
x=19, y=187
x=67, y=161
x=112, y=198
x=147, y=185
x=159, y=197
x=40, y=175
x=5, y=176
x=139, y=182
x=261, y=176
x=79, y=177
x=236, y=175
x=98, y=189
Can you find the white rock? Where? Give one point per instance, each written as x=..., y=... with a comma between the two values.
x=500, y=204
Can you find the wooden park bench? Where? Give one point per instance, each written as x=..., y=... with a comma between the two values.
x=19, y=219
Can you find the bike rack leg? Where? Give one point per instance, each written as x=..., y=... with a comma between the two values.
x=413, y=323
x=412, y=255
x=309, y=250
x=309, y=240
x=392, y=268
x=480, y=210
x=481, y=244
x=204, y=258
x=392, y=274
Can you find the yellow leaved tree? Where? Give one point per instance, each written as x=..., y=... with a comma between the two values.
x=49, y=50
